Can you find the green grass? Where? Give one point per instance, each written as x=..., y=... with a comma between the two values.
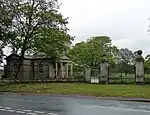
x=137, y=91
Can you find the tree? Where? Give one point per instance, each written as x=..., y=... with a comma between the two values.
x=79, y=53
x=5, y=22
x=34, y=25
x=125, y=56
x=90, y=53
x=55, y=42
x=147, y=64
x=125, y=59
x=1, y=55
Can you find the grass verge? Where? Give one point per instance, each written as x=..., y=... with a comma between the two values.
x=134, y=91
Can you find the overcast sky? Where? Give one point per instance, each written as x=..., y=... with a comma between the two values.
x=125, y=21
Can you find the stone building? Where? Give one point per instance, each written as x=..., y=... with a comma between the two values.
x=38, y=67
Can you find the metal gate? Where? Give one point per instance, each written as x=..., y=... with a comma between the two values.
x=95, y=75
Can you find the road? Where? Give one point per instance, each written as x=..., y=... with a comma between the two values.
x=12, y=104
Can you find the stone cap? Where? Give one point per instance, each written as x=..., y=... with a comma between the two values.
x=139, y=57
x=104, y=59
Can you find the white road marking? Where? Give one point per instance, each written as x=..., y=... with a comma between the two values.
x=26, y=100
x=31, y=113
x=119, y=108
x=10, y=110
x=52, y=114
x=20, y=112
x=2, y=109
x=7, y=107
x=26, y=110
x=40, y=112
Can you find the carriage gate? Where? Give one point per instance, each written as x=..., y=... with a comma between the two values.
x=114, y=76
x=122, y=75
x=94, y=75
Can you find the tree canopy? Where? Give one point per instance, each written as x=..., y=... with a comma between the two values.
x=125, y=59
x=90, y=53
x=28, y=26
x=31, y=26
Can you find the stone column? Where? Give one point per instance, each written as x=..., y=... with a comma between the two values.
x=67, y=70
x=139, y=67
x=87, y=74
x=104, y=73
x=56, y=69
x=71, y=71
x=62, y=71
x=51, y=73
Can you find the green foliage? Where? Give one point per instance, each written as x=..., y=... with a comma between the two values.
x=125, y=60
x=34, y=25
x=90, y=53
x=56, y=42
x=125, y=56
x=147, y=64
x=1, y=55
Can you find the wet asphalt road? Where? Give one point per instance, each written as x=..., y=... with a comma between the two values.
x=12, y=104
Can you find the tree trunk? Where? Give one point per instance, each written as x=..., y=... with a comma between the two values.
x=19, y=66
x=21, y=59
x=28, y=35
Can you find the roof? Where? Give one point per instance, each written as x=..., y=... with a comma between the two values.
x=16, y=56
x=36, y=57
x=64, y=57
x=13, y=56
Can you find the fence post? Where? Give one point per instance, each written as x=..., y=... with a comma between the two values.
x=108, y=73
x=134, y=74
x=87, y=74
x=104, y=74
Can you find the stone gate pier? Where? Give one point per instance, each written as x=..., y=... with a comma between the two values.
x=139, y=68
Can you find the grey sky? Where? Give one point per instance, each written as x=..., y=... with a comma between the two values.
x=125, y=21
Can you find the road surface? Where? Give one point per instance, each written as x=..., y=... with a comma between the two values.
x=11, y=104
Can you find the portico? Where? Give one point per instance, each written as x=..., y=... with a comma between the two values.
x=64, y=68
